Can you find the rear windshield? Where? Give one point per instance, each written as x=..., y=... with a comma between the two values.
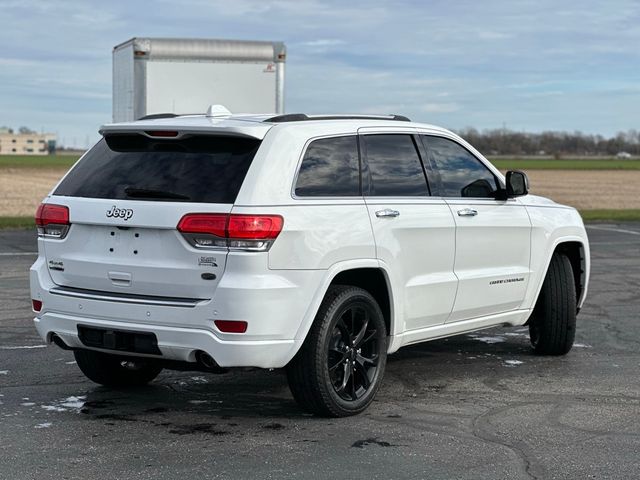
x=198, y=168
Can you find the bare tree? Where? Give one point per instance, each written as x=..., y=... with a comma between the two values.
x=557, y=144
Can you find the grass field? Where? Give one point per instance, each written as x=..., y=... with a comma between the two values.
x=505, y=163
x=17, y=222
x=37, y=161
x=629, y=215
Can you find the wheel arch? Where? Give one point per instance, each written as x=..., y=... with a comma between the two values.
x=364, y=273
x=576, y=254
x=374, y=281
x=577, y=250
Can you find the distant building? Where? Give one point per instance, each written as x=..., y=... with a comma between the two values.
x=26, y=143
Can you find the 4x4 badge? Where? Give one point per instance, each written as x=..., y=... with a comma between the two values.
x=116, y=212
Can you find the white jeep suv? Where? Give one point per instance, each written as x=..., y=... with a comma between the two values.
x=320, y=244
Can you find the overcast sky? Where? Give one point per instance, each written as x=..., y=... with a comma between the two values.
x=530, y=65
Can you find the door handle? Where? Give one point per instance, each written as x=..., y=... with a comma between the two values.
x=387, y=212
x=467, y=212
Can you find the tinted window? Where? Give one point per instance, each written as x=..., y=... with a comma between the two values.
x=208, y=169
x=330, y=167
x=394, y=166
x=461, y=174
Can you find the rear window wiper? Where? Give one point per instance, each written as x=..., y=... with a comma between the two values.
x=150, y=193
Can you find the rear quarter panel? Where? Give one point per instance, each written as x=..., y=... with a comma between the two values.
x=318, y=232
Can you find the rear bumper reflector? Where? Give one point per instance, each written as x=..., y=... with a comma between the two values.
x=36, y=305
x=231, y=326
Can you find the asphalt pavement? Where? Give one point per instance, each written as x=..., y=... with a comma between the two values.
x=468, y=407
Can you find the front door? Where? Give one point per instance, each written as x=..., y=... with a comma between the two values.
x=492, y=236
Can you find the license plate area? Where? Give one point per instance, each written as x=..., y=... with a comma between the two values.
x=119, y=340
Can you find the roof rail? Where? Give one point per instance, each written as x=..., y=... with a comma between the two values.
x=159, y=115
x=298, y=117
x=288, y=117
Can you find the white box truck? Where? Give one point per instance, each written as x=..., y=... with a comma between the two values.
x=178, y=75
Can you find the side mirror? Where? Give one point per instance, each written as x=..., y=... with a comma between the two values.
x=517, y=183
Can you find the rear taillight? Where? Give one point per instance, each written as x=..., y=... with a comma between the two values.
x=204, y=230
x=36, y=305
x=52, y=220
x=235, y=231
x=254, y=227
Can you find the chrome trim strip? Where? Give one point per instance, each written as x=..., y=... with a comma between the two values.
x=126, y=298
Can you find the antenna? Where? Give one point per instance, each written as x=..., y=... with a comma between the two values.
x=218, y=111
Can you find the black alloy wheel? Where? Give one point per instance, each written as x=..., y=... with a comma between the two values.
x=339, y=368
x=353, y=353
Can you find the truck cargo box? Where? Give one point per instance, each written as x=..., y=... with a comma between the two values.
x=173, y=75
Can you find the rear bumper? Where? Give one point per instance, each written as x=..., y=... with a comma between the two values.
x=175, y=343
x=275, y=305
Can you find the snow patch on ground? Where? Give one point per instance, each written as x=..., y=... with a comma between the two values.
x=43, y=425
x=200, y=379
x=53, y=408
x=20, y=347
x=513, y=363
x=28, y=404
x=4, y=372
x=581, y=345
x=74, y=402
x=70, y=363
x=69, y=403
x=488, y=339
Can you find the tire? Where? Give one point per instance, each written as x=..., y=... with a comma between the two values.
x=552, y=327
x=115, y=371
x=327, y=376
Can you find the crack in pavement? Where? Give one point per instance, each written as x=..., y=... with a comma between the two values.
x=482, y=429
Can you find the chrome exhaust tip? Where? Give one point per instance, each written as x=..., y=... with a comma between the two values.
x=207, y=361
x=59, y=342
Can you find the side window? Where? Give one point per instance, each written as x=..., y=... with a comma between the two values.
x=330, y=167
x=461, y=174
x=394, y=166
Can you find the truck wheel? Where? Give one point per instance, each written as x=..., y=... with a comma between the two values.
x=552, y=327
x=340, y=366
x=115, y=371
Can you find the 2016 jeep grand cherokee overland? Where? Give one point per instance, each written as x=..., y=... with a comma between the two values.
x=319, y=244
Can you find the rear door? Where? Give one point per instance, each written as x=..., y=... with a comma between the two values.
x=492, y=236
x=126, y=197
x=414, y=233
